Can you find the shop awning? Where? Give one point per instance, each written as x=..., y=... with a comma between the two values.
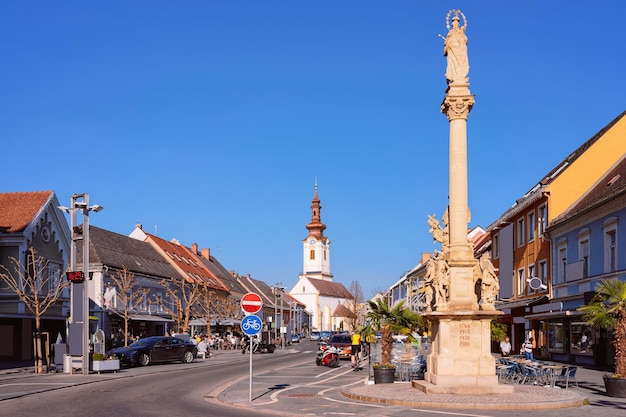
x=147, y=317
x=524, y=302
x=554, y=315
x=218, y=322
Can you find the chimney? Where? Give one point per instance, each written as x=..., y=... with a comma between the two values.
x=194, y=248
x=206, y=253
x=139, y=226
x=425, y=257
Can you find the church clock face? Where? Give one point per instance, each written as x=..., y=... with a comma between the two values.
x=312, y=242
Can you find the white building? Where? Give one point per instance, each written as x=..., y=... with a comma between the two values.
x=324, y=299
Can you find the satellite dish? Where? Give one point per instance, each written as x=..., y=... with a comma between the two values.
x=98, y=336
x=535, y=283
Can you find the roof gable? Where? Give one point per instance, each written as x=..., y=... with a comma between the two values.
x=18, y=210
x=183, y=258
x=330, y=289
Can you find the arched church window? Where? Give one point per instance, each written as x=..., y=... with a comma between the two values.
x=312, y=254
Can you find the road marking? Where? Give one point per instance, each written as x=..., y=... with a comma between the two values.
x=449, y=413
x=36, y=383
x=327, y=372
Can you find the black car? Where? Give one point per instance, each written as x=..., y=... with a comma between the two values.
x=156, y=349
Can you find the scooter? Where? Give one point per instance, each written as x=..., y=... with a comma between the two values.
x=327, y=356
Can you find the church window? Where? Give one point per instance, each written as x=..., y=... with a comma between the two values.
x=303, y=289
x=312, y=256
x=324, y=255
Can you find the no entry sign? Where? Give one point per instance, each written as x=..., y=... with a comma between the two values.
x=251, y=303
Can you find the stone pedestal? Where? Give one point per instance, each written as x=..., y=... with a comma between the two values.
x=461, y=361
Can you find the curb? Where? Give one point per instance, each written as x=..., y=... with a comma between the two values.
x=516, y=401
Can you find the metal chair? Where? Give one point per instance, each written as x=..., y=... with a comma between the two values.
x=568, y=373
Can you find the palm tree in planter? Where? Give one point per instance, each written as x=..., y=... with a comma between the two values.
x=608, y=310
x=389, y=321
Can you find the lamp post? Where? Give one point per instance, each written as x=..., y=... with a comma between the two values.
x=277, y=287
x=282, y=319
x=79, y=290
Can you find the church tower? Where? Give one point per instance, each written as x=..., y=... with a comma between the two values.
x=316, y=246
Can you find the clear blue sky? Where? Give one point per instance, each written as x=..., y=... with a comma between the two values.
x=209, y=121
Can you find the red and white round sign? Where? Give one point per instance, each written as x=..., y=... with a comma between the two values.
x=251, y=303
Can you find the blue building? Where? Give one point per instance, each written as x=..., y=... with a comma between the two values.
x=585, y=249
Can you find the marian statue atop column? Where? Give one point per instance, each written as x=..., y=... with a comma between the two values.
x=455, y=49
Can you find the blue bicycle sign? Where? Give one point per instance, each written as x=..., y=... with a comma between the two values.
x=251, y=325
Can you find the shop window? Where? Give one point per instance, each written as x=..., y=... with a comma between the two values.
x=581, y=339
x=556, y=337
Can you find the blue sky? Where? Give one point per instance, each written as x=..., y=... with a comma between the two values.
x=209, y=121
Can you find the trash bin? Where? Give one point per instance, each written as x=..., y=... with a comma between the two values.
x=67, y=364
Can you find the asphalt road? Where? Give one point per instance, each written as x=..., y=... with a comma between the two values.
x=158, y=390
x=286, y=383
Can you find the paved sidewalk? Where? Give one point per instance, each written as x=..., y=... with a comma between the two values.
x=590, y=390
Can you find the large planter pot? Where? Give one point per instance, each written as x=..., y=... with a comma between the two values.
x=384, y=375
x=615, y=387
x=106, y=366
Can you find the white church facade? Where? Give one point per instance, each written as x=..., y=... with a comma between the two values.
x=324, y=299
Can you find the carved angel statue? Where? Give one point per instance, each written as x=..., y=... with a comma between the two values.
x=428, y=287
x=435, y=228
x=440, y=279
x=490, y=284
x=455, y=49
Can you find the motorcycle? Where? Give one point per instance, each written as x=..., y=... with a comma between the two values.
x=255, y=346
x=327, y=356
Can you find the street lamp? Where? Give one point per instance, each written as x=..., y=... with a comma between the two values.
x=79, y=290
x=277, y=287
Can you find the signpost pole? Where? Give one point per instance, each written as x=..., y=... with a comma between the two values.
x=250, y=383
x=251, y=325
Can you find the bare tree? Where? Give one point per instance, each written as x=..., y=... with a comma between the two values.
x=214, y=304
x=184, y=296
x=128, y=298
x=37, y=289
x=206, y=305
x=355, y=305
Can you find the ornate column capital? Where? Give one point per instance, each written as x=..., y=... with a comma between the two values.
x=457, y=107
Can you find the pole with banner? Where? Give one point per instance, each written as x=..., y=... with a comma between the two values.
x=251, y=325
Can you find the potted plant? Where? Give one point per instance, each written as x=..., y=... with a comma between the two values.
x=100, y=363
x=389, y=321
x=608, y=310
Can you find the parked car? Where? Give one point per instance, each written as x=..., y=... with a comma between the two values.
x=315, y=336
x=155, y=349
x=343, y=343
x=325, y=336
x=295, y=338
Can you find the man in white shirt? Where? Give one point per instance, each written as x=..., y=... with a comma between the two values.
x=505, y=347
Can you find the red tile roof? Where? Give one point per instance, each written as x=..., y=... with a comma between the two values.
x=17, y=210
x=184, y=258
x=330, y=289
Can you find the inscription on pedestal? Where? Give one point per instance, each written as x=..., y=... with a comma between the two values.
x=464, y=335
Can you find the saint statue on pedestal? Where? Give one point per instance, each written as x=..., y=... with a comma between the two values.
x=455, y=49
